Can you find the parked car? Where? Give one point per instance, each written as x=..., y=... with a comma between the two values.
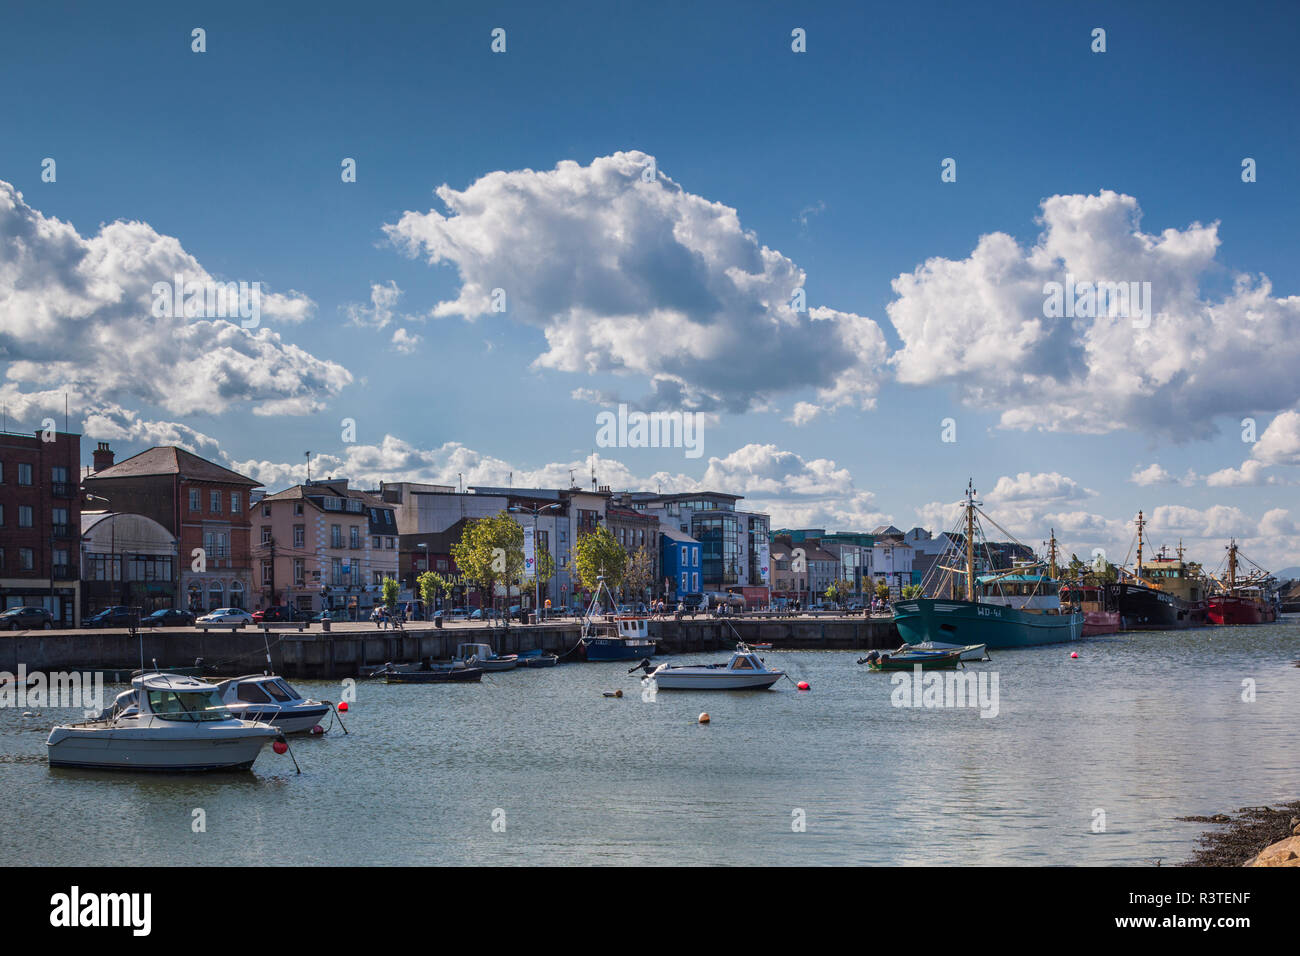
x=279, y=612
x=458, y=613
x=226, y=615
x=26, y=619
x=116, y=616
x=169, y=617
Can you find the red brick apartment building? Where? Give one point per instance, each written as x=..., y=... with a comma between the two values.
x=40, y=523
x=203, y=504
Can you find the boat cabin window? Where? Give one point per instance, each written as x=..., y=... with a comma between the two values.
x=188, y=705
x=292, y=694
x=276, y=691
x=253, y=693
x=743, y=664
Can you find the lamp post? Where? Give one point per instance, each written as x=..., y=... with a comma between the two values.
x=415, y=578
x=537, y=578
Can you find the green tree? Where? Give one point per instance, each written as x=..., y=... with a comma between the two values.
x=598, y=553
x=431, y=585
x=882, y=589
x=389, y=589
x=640, y=571
x=911, y=590
x=490, y=552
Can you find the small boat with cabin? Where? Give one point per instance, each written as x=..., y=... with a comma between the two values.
x=165, y=722
x=271, y=700
x=623, y=637
x=482, y=655
x=745, y=671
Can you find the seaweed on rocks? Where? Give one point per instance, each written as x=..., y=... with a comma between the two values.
x=1244, y=836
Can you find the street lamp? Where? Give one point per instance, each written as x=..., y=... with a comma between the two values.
x=415, y=578
x=537, y=578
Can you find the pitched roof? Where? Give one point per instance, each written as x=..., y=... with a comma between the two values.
x=171, y=460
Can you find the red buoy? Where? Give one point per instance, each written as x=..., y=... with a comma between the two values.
x=803, y=685
x=317, y=730
x=280, y=747
x=1074, y=654
x=343, y=705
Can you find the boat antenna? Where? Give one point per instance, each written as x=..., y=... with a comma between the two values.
x=1138, y=567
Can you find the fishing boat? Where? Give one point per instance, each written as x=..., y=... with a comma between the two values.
x=166, y=722
x=429, y=672
x=271, y=700
x=1091, y=600
x=1025, y=611
x=619, y=637
x=1158, y=595
x=1243, y=600
x=482, y=655
x=905, y=660
x=745, y=671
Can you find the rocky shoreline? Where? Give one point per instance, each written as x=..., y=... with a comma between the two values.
x=1255, y=836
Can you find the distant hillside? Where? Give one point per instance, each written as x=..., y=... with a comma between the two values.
x=1287, y=574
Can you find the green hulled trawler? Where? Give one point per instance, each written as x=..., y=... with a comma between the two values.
x=1020, y=607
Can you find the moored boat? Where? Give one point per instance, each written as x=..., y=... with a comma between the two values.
x=429, y=672
x=1007, y=609
x=1091, y=600
x=1247, y=600
x=166, y=722
x=482, y=655
x=744, y=671
x=969, y=652
x=905, y=660
x=271, y=700
x=619, y=637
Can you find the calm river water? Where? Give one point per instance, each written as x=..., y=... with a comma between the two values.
x=1144, y=727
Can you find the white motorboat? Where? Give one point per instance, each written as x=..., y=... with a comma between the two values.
x=482, y=655
x=271, y=700
x=745, y=671
x=165, y=722
x=969, y=652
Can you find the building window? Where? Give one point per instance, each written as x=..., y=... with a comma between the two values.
x=24, y=516
x=354, y=537
x=59, y=474
x=235, y=503
x=236, y=594
x=214, y=502
x=266, y=511
x=299, y=535
x=24, y=474
x=297, y=572
x=336, y=570
x=2, y=516
x=442, y=564
x=26, y=559
x=216, y=595
x=374, y=542
x=297, y=508
x=267, y=572
x=388, y=543
x=695, y=576
x=686, y=556
x=194, y=499
x=336, y=536
x=266, y=534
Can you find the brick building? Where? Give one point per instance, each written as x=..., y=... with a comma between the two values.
x=204, y=505
x=40, y=523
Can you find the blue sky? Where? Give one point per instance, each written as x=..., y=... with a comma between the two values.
x=830, y=158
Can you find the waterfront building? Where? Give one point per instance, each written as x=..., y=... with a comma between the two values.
x=680, y=560
x=324, y=546
x=205, y=506
x=40, y=523
x=126, y=559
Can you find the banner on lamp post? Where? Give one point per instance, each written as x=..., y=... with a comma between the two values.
x=530, y=555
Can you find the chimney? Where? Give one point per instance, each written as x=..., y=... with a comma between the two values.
x=103, y=457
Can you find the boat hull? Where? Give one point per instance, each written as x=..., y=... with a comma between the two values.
x=151, y=749
x=618, y=649
x=995, y=626
x=449, y=675
x=1100, y=622
x=1239, y=610
x=1148, y=609
x=726, y=680
x=972, y=652
x=295, y=720
x=906, y=661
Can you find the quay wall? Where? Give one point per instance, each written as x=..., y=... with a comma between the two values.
x=313, y=653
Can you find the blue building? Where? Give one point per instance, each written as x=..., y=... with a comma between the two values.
x=680, y=559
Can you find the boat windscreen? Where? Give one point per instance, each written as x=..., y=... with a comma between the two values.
x=279, y=691
x=188, y=705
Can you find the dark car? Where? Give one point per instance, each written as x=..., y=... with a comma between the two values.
x=279, y=612
x=117, y=616
x=168, y=617
x=26, y=619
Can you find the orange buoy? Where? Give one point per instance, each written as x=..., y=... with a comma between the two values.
x=704, y=718
x=343, y=705
x=803, y=685
x=279, y=746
